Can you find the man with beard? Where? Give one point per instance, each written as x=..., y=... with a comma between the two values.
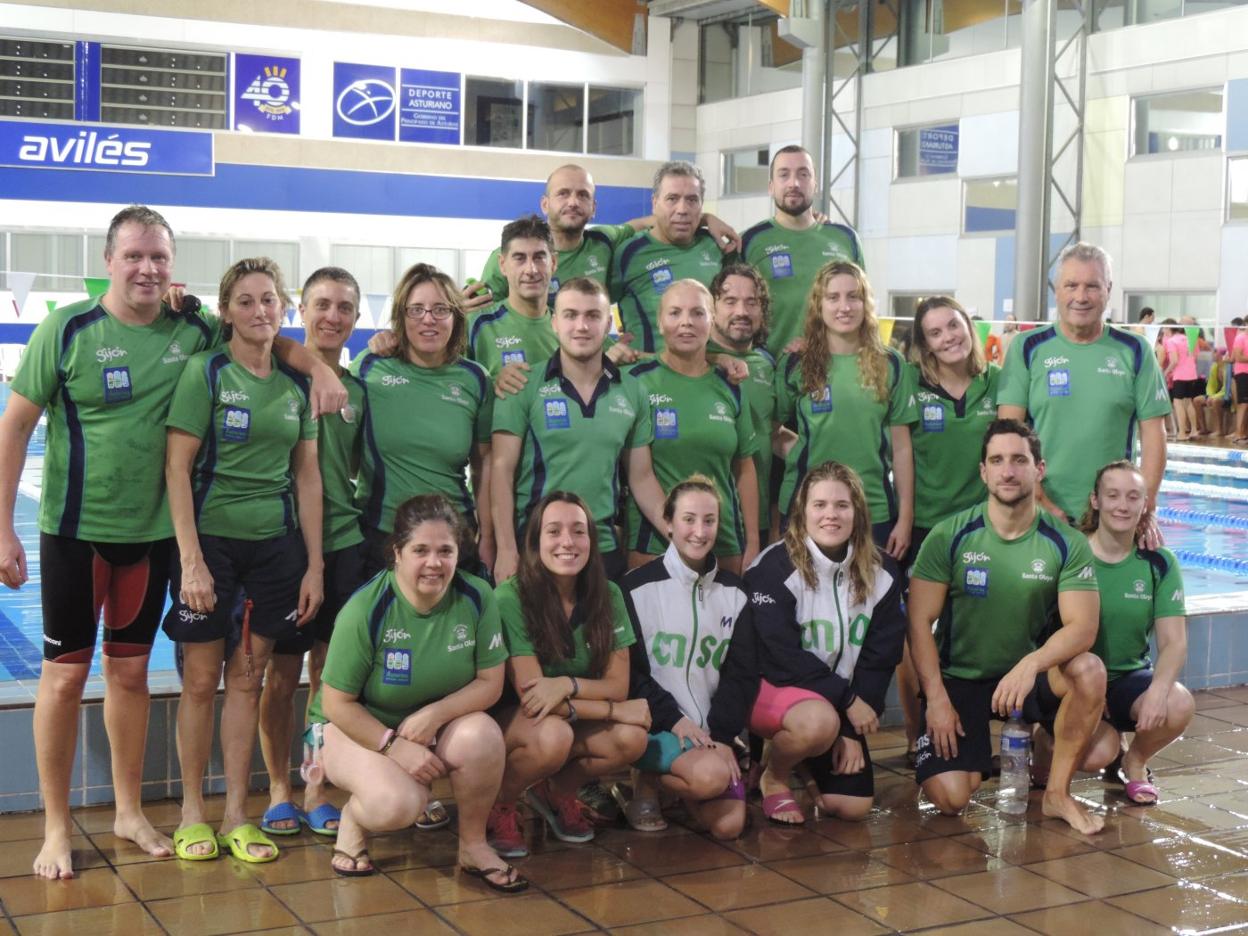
x=1013, y=593
x=789, y=249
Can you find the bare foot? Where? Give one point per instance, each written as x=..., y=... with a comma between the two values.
x=55, y=860
x=769, y=785
x=138, y=830
x=1059, y=805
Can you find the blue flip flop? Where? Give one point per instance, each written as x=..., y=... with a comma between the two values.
x=282, y=812
x=318, y=818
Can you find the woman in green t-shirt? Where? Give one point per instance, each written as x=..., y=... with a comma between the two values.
x=415, y=660
x=568, y=718
x=1141, y=597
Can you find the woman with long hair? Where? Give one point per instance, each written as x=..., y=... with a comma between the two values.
x=415, y=660
x=1141, y=599
x=567, y=718
x=849, y=398
x=245, y=499
x=1179, y=369
x=684, y=609
x=429, y=417
x=826, y=609
x=957, y=399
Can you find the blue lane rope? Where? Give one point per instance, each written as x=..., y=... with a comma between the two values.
x=1200, y=560
x=1202, y=518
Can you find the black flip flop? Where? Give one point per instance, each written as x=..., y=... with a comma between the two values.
x=514, y=886
x=354, y=859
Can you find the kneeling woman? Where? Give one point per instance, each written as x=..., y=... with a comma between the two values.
x=684, y=610
x=827, y=614
x=239, y=427
x=415, y=660
x=568, y=635
x=1141, y=592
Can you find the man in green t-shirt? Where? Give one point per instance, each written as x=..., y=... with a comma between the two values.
x=105, y=370
x=1013, y=594
x=739, y=330
x=789, y=248
x=568, y=429
x=329, y=308
x=518, y=331
x=675, y=248
x=1088, y=388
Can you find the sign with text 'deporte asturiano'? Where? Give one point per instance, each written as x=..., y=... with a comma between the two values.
x=429, y=106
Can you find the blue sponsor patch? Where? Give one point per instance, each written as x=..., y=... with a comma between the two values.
x=236, y=427
x=513, y=357
x=781, y=266
x=398, y=670
x=822, y=403
x=933, y=417
x=117, y=387
x=557, y=415
x=975, y=583
x=666, y=423
x=554, y=285
x=1059, y=382
x=661, y=278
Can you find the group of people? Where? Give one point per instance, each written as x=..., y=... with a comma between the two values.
x=522, y=554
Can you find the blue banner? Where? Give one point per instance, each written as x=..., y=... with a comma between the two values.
x=266, y=93
x=104, y=148
x=938, y=150
x=429, y=106
x=364, y=101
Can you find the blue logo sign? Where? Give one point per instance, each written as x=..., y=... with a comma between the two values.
x=933, y=417
x=513, y=357
x=429, y=106
x=266, y=94
x=821, y=402
x=364, y=101
x=938, y=150
x=117, y=387
x=105, y=149
x=975, y=583
x=398, y=669
x=781, y=266
x=557, y=415
x=666, y=423
x=236, y=427
x=1059, y=382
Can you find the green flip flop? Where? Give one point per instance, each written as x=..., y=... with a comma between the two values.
x=189, y=836
x=240, y=837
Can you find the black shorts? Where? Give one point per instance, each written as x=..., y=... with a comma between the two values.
x=267, y=571
x=1120, y=695
x=833, y=784
x=80, y=579
x=1187, y=389
x=1241, y=388
x=344, y=573
x=615, y=564
x=972, y=700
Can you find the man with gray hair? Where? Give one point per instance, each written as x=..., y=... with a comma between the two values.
x=674, y=249
x=1089, y=388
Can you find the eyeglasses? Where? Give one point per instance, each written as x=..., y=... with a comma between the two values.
x=440, y=313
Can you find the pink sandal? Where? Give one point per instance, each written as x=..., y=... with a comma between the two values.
x=778, y=803
x=1142, y=793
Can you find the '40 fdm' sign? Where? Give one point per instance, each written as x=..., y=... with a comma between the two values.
x=266, y=93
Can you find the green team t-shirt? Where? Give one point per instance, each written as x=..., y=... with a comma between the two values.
x=395, y=659
x=643, y=269
x=1084, y=401
x=503, y=336
x=788, y=261
x=419, y=432
x=570, y=445
x=947, y=440
x=106, y=387
x=760, y=395
x=701, y=424
x=339, y=450
x=845, y=422
x=592, y=258
x=1135, y=593
x=1002, y=596
x=248, y=428
x=520, y=644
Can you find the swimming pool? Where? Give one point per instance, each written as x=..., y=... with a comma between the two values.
x=1203, y=515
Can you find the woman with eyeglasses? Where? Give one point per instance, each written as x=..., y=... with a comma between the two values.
x=427, y=427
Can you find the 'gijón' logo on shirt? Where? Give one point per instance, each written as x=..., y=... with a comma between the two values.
x=233, y=396
x=104, y=355
x=969, y=557
x=393, y=380
x=762, y=598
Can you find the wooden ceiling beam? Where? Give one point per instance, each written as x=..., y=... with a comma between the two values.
x=611, y=21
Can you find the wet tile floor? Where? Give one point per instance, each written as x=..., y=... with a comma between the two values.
x=1180, y=866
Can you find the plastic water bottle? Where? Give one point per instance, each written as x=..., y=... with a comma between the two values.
x=1015, y=781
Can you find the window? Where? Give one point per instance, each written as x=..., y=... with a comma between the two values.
x=745, y=55
x=613, y=121
x=556, y=117
x=1175, y=123
x=1237, y=189
x=199, y=262
x=446, y=260
x=989, y=205
x=744, y=171
x=284, y=252
x=494, y=113
x=36, y=79
x=924, y=151
x=1201, y=306
x=372, y=267
x=57, y=258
